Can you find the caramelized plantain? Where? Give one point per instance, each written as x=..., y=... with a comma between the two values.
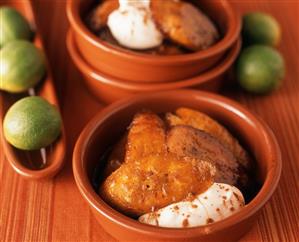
x=187, y=141
x=146, y=137
x=154, y=182
x=156, y=167
x=151, y=177
x=184, y=24
x=199, y=120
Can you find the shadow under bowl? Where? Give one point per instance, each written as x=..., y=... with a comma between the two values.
x=108, y=126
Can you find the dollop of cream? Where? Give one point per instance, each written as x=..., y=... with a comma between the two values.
x=218, y=202
x=132, y=25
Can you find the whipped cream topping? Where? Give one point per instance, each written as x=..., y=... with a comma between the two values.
x=218, y=202
x=132, y=25
x=135, y=3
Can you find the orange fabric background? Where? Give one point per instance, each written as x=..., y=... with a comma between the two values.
x=55, y=211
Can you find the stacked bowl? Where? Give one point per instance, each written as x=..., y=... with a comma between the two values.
x=112, y=73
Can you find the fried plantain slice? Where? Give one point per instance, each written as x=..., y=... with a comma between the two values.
x=199, y=120
x=184, y=24
x=155, y=182
x=146, y=137
x=187, y=141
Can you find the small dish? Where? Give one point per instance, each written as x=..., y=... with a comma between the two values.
x=132, y=66
x=108, y=126
x=47, y=162
x=108, y=88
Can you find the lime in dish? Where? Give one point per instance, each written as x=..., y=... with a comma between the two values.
x=32, y=123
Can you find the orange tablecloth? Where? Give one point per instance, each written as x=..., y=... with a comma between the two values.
x=55, y=211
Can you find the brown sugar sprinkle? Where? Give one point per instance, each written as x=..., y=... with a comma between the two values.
x=209, y=221
x=226, y=189
x=190, y=197
x=221, y=187
x=185, y=223
x=236, y=195
x=224, y=197
x=155, y=216
x=176, y=207
x=205, y=197
x=194, y=206
x=232, y=209
x=218, y=209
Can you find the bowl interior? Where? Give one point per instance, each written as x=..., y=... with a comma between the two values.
x=213, y=9
x=220, y=12
x=112, y=125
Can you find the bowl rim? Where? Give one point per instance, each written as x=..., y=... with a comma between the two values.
x=48, y=171
x=211, y=73
x=234, y=27
x=94, y=200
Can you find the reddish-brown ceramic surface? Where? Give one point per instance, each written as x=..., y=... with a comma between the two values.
x=131, y=66
x=32, y=164
x=109, y=89
x=108, y=126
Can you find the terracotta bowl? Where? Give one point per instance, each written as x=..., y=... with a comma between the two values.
x=106, y=128
x=108, y=88
x=132, y=66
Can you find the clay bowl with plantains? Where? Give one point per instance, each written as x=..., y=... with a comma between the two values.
x=138, y=67
x=109, y=89
x=108, y=126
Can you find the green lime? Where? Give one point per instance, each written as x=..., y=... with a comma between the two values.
x=260, y=69
x=13, y=26
x=32, y=123
x=260, y=28
x=22, y=65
